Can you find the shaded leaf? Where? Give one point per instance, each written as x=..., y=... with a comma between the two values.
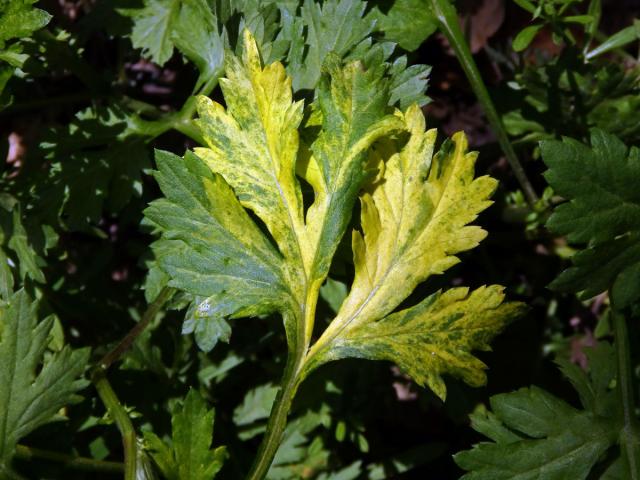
x=602, y=213
x=189, y=457
x=14, y=234
x=407, y=22
x=94, y=164
x=528, y=440
x=34, y=388
x=299, y=453
x=256, y=406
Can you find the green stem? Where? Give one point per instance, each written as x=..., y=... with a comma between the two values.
x=121, y=418
x=448, y=21
x=289, y=386
x=125, y=344
x=630, y=431
x=69, y=461
x=277, y=418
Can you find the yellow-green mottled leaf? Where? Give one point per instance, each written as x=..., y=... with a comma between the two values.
x=253, y=144
x=434, y=337
x=352, y=105
x=210, y=247
x=414, y=220
x=415, y=214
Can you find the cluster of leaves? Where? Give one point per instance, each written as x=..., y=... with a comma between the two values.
x=303, y=131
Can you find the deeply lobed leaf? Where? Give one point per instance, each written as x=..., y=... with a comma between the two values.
x=433, y=338
x=602, y=212
x=414, y=220
x=254, y=144
x=529, y=442
x=210, y=247
x=415, y=215
x=189, y=456
x=34, y=387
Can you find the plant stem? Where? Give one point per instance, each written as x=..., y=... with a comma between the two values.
x=69, y=461
x=630, y=431
x=121, y=418
x=448, y=21
x=291, y=379
x=277, y=418
x=125, y=344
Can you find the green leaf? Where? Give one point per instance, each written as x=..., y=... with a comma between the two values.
x=34, y=386
x=335, y=26
x=408, y=84
x=525, y=37
x=251, y=414
x=414, y=221
x=19, y=19
x=189, y=456
x=527, y=5
x=94, y=164
x=153, y=28
x=206, y=324
x=196, y=35
x=198, y=29
x=602, y=212
x=579, y=19
x=210, y=246
x=6, y=277
x=537, y=435
x=617, y=40
x=18, y=241
x=407, y=23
